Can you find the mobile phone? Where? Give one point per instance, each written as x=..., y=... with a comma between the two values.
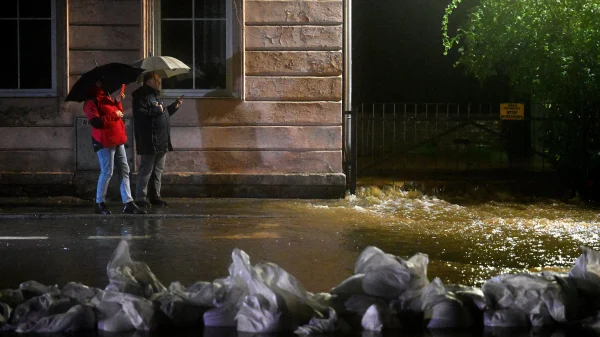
x=122, y=89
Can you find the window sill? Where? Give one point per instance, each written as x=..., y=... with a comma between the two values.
x=217, y=93
x=16, y=93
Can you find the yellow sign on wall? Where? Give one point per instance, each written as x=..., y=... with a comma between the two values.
x=512, y=111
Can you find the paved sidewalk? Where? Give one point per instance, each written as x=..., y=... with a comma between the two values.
x=71, y=208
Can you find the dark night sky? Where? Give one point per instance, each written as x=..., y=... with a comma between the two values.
x=398, y=55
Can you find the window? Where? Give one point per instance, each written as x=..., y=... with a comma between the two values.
x=199, y=33
x=28, y=55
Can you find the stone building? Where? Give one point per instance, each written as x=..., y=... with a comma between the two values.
x=263, y=110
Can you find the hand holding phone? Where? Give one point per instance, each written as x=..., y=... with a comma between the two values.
x=179, y=101
x=121, y=93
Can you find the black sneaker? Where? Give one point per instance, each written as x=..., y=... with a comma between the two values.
x=101, y=208
x=159, y=202
x=132, y=208
x=142, y=203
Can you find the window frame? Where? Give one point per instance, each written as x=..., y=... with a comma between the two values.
x=50, y=92
x=231, y=44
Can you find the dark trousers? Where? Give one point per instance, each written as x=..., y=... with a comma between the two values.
x=149, y=175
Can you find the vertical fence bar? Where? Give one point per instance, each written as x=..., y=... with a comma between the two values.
x=404, y=135
x=373, y=133
x=383, y=134
x=362, y=130
x=354, y=154
x=394, y=143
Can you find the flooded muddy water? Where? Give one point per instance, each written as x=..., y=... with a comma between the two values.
x=318, y=241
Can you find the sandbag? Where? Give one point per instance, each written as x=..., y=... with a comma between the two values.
x=378, y=318
x=391, y=280
x=12, y=297
x=124, y=312
x=586, y=271
x=259, y=311
x=5, y=311
x=177, y=310
x=539, y=298
x=32, y=310
x=77, y=318
x=131, y=277
x=298, y=302
x=443, y=309
x=32, y=289
x=318, y=326
x=79, y=292
x=353, y=285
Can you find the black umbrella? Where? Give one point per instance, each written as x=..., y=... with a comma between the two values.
x=112, y=76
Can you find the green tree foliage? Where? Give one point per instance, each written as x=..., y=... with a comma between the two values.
x=550, y=51
x=547, y=47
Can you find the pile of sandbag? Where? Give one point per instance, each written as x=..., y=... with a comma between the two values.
x=385, y=292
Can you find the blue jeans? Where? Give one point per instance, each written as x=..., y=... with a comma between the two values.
x=110, y=157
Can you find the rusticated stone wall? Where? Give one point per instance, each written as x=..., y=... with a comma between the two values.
x=283, y=138
x=286, y=132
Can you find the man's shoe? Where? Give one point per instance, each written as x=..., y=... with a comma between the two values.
x=142, y=203
x=101, y=208
x=132, y=208
x=159, y=202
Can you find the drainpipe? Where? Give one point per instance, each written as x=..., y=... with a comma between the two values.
x=347, y=48
x=349, y=146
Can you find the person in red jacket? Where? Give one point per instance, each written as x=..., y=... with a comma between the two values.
x=105, y=115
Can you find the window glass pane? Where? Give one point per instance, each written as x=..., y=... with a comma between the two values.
x=9, y=9
x=8, y=55
x=176, y=41
x=210, y=54
x=210, y=8
x=36, y=54
x=35, y=8
x=176, y=8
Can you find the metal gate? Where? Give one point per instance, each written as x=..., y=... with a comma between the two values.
x=444, y=141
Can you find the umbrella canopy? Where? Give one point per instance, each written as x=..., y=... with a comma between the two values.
x=112, y=75
x=163, y=66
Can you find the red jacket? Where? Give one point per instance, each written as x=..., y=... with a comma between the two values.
x=108, y=128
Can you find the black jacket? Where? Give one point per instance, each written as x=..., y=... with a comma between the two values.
x=151, y=125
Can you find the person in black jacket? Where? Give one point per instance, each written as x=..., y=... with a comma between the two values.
x=152, y=138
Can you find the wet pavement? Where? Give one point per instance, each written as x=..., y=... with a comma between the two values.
x=58, y=240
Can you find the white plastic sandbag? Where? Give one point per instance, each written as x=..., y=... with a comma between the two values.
x=5, y=311
x=79, y=292
x=298, y=302
x=372, y=258
x=32, y=289
x=128, y=276
x=259, y=310
x=32, y=310
x=443, y=308
x=176, y=310
x=319, y=326
x=353, y=285
x=538, y=298
x=586, y=271
x=77, y=318
x=359, y=304
x=378, y=317
x=11, y=297
x=387, y=276
x=227, y=299
x=124, y=312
